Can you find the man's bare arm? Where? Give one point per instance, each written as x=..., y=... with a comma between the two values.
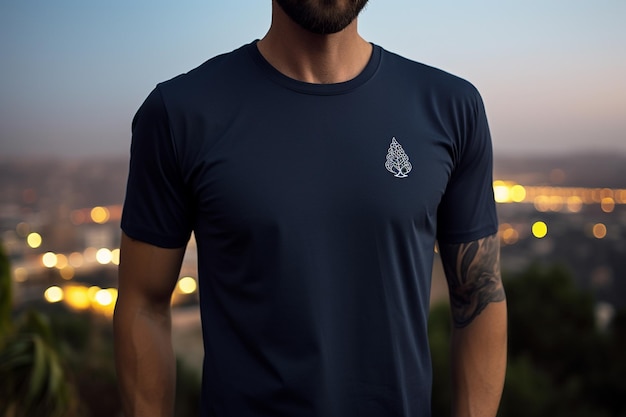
x=479, y=336
x=143, y=347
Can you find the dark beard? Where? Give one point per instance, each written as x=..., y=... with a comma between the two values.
x=322, y=16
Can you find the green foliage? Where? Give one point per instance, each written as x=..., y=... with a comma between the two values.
x=560, y=363
x=34, y=380
x=531, y=387
x=56, y=363
x=85, y=352
x=187, y=390
x=33, y=377
x=439, y=338
x=6, y=293
x=551, y=321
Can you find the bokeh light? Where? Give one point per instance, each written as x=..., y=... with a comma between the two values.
x=508, y=234
x=103, y=256
x=104, y=297
x=115, y=256
x=34, y=240
x=607, y=204
x=542, y=203
x=104, y=301
x=49, y=259
x=67, y=273
x=76, y=259
x=100, y=215
x=77, y=297
x=574, y=204
x=556, y=203
x=599, y=231
x=187, y=285
x=53, y=294
x=518, y=193
x=92, y=291
x=501, y=192
x=61, y=261
x=540, y=229
x=20, y=274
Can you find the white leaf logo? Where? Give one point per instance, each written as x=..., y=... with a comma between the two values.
x=397, y=160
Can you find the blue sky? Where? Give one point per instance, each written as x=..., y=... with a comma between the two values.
x=552, y=72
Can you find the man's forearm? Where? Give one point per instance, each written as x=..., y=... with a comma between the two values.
x=479, y=313
x=479, y=363
x=145, y=360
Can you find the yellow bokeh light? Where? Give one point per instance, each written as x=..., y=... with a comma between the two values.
x=509, y=236
x=518, y=193
x=599, y=231
x=53, y=294
x=574, y=204
x=104, y=301
x=49, y=259
x=103, y=256
x=62, y=261
x=92, y=291
x=100, y=215
x=607, y=204
x=187, y=285
x=106, y=297
x=556, y=203
x=77, y=297
x=34, y=240
x=540, y=230
x=103, y=297
x=542, y=203
x=115, y=256
x=501, y=192
x=67, y=273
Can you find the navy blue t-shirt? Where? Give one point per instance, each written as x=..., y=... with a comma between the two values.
x=315, y=209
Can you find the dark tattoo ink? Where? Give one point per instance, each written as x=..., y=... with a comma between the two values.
x=473, y=273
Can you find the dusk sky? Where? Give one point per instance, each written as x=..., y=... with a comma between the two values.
x=552, y=72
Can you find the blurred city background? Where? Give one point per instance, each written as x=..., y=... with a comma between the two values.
x=551, y=75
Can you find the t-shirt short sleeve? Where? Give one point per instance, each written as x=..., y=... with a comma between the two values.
x=467, y=211
x=157, y=207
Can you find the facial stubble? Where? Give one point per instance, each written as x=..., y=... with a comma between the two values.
x=322, y=17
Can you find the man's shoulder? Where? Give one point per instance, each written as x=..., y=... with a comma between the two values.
x=434, y=78
x=214, y=72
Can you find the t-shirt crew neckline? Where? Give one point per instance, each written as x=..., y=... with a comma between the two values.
x=317, y=89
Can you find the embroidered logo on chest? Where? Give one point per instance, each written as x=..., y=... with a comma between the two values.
x=397, y=160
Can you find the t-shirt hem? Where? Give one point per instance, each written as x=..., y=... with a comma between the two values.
x=468, y=236
x=154, y=239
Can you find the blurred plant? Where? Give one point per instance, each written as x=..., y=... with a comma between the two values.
x=6, y=294
x=34, y=382
x=40, y=346
x=560, y=363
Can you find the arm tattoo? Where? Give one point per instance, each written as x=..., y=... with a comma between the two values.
x=473, y=273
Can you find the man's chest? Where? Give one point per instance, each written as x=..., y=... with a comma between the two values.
x=322, y=166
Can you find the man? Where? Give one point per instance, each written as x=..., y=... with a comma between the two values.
x=316, y=171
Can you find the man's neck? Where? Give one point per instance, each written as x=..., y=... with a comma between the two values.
x=313, y=58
